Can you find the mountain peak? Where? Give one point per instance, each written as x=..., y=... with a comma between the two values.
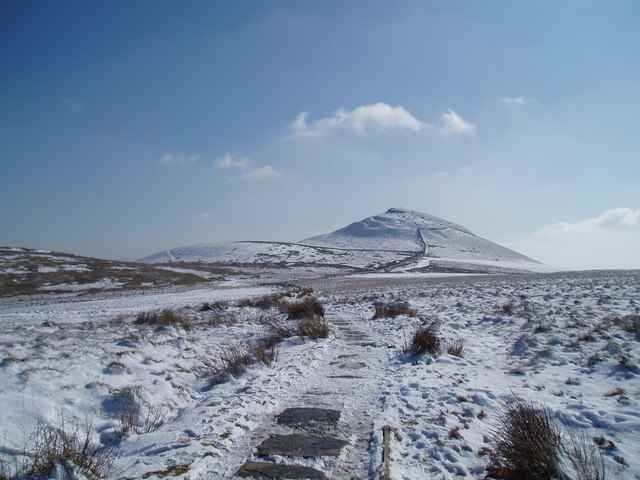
x=399, y=229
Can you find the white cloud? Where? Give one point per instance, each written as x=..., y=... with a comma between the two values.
x=375, y=117
x=515, y=101
x=611, y=220
x=231, y=161
x=452, y=124
x=610, y=240
x=179, y=158
x=261, y=173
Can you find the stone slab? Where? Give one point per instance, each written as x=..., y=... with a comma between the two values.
x=278, y=470
x=301, y=446
x=353, y=365
x=300, y=416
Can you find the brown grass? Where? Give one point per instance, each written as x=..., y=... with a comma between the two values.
x=425, y=340
x=266, y=350
x=531, y=446
x=313, y=327
x=279, y=329
x=631, y=323
x=527, y=444
x=163, y=318
x=47, y=446
x=133, y=415
x=393, y=310
x=307, y=308
x=456, y=348
x=265, y=302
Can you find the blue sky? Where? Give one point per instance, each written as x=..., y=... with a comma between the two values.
x=131, y=127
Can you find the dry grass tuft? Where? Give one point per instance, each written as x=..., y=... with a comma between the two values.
x=393, y=310
x=266, y=350
x=530, y=446
x=307, y=308
x=508, y=308
x=265, y=302
x=279, y=329
x=631, y=323
x=585, y=458
x=131, y=414
x=456, y=348
x=425, y=340
x=234, y=359
x=527, y=444
x=313, y=327
x=49, y=446
x=164, y=318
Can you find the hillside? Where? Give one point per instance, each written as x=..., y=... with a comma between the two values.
x=397, y=241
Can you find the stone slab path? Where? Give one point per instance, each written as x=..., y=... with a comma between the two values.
x=327, y=432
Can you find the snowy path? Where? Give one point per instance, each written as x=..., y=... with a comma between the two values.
x=349, y=378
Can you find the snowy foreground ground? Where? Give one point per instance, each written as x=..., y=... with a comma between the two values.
x=558, y=340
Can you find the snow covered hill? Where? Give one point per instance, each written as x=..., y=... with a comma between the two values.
x=439, y=245
x=399, y=229
x=395, y=241
x=286, y=254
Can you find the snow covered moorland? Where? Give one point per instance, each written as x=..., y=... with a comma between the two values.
x=191, y=394
x=399, y=347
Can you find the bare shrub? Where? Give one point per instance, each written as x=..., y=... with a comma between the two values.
x=280, y=329
x=164, y=318
x=266, y=350
x=527, y=444
x=219, y=305
x=631, y=323
x=425, y=340
x=130, y=406
x=234, y=359
x=309, y=307
x=265, y=302
x=205, y=307
x=456, y=348
x=585, y=457
x=531, y=446
x=313, y=327
x=392, y=310
x=218, y=318
x=508, y=308
x=48, y=446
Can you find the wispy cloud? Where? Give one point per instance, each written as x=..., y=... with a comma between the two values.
x=261, y=173
x=180, y=158
x=230, y=160
x=377, y=117
x=609, y=240
x=515, y=101
x=611, y=220
x=452, y=124
x=206, y=216
x=73, y=105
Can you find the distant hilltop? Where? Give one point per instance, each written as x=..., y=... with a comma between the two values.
x=397, y=240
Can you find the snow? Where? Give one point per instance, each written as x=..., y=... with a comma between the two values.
x=64, y=268
x=274, y=253
x=396, y=229
x=104, y=284
x=556, y=339
x=397, y=240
